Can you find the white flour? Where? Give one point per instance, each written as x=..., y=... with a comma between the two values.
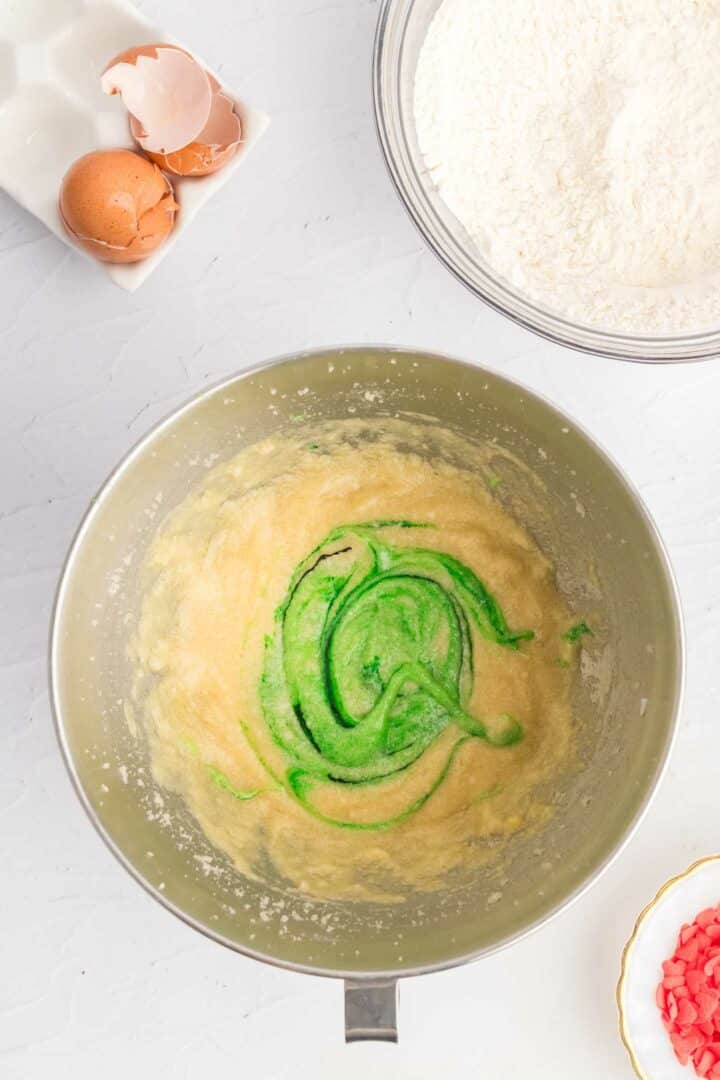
x=578, y=142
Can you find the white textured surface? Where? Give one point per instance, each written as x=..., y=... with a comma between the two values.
x=52, y=110
x=307, y=247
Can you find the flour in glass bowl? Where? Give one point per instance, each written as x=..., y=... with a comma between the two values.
x=578, y=143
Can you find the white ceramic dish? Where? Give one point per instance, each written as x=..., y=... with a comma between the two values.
x=52, y=110
x=653, y=941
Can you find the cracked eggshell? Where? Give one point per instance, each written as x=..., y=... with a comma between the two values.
x=208, y=149
x=213, y=148
x=167, y=91
x=117, y=205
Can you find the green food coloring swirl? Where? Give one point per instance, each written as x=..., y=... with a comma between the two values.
x=372, y=659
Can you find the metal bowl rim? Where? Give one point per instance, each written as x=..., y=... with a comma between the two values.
x=71, y=559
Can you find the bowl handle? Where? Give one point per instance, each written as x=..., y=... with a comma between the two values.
x=371, y=1010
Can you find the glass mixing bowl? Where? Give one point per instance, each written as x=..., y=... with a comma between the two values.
x=402, y=27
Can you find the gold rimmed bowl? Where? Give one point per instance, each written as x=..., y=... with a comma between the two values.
x=653, y=941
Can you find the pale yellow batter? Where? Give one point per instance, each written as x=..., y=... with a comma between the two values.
x=218, y=570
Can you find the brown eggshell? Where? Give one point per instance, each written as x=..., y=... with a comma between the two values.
x=117, y=205
x=129, y=56
x=167, y=90
x=195, y=159
x=213, y=148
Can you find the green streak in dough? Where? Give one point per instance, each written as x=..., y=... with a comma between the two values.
x=576, y=632
x=300, y=784
x=222, y=781
x=491, y=793
x=372, y=660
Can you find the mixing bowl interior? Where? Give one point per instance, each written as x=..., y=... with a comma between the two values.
x=609, y=562
x=402, y=27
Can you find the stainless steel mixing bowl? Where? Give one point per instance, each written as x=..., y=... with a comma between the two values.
x=609, y=561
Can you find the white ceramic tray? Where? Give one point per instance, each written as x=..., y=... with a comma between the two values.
x=52, y=110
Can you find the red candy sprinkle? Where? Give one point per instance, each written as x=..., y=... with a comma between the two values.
x=688, y=995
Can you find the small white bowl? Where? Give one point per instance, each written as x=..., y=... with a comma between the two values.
x=653, y=940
